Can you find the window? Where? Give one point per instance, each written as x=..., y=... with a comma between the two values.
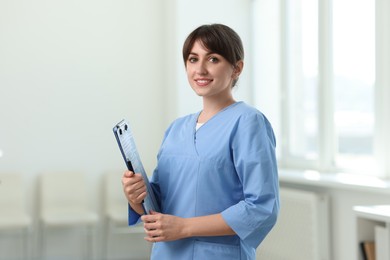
x=301, y=78
x=353, y=82
x=334, y=98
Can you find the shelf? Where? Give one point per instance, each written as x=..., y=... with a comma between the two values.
x=375, y=212
x=373, y=224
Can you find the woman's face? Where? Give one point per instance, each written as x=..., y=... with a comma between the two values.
x=209, y=74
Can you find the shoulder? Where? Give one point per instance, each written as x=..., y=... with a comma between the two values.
x=251, y=121
x=246, y=109
x=250, y=114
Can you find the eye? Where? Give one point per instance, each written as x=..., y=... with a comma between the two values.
x=213, y=59
x=192, y=59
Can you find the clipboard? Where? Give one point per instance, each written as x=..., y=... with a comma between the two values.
x=126, y=143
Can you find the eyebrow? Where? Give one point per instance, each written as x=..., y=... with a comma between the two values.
x=208, y=53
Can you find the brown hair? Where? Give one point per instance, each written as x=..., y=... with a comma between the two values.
x=217, y=38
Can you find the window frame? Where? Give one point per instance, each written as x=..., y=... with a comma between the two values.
x=326, y=131
x=382, y=87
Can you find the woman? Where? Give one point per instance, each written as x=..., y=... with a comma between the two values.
x=216, y=179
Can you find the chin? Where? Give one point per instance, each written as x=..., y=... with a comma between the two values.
x=199, y=93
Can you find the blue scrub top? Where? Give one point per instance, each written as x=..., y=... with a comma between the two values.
x=227, y=166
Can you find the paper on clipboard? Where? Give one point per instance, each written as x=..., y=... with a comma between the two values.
x=124, y=137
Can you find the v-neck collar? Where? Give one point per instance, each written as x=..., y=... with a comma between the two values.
x=211, y=118
x=195, y=120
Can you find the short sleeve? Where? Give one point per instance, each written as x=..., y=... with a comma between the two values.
x=253, y=149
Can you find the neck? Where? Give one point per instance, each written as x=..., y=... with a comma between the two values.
x=212, y=107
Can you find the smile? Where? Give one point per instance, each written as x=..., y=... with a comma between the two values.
x=203, y=82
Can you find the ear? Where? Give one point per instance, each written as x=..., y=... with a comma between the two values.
x=238, y=69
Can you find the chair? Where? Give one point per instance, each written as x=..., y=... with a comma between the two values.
x=115, y=211
x=64, y=204
x=13, y=216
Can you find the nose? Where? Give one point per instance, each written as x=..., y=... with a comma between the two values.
x=201, y=68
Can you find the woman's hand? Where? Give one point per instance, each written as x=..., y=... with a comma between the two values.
x=162, y=227
x=135, y=190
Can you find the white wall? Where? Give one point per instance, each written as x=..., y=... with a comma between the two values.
x=70, y=70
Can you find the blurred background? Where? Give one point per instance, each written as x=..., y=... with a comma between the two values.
x=70, y=70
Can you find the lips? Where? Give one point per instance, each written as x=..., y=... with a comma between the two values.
x=203, y=82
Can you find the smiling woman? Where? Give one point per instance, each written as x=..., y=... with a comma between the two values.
x=216, y=178
x=211, y=75
x=214, y=59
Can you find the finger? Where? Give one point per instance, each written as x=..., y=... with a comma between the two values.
x=148, y=219
x=153, y=233
x=127, y=177
x=138, y=176
x=149, y=239
x=128, y=174
x=145, y=219
x=154, y=239
x=154, y=227
x=134, y=180
x=135, y=191
x=138, y=184
x=137, y=198
x=150, y=226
